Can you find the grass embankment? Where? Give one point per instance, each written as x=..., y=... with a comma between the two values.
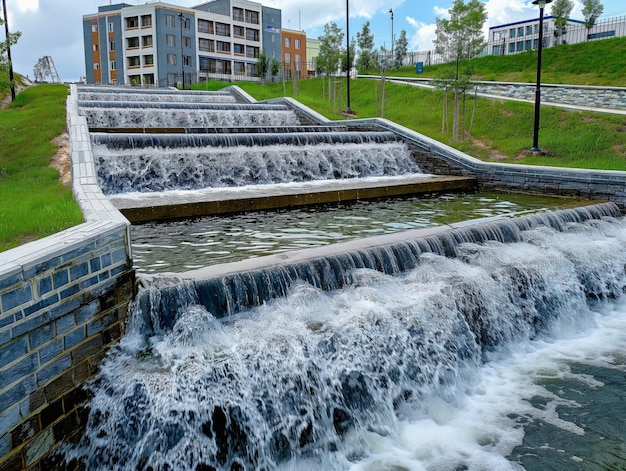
x=592, y=63
x=501, y=130
x=33, y=202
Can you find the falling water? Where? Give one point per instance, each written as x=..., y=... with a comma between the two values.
x=305, y=157
x=161, y=97
x=445, y=366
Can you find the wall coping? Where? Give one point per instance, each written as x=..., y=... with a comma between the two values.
x=101, y=216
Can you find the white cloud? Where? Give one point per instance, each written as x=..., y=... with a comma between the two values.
x=28, y=5
x=422, y=37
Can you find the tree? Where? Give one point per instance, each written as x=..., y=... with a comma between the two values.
x=274, y=67
x=592, y=10
x=400, y=49
x=561, y=10
x=262, y=65
x=365, y=41
x=329, y=57
x=4, y=59
x=344, y=57
x=460, y=38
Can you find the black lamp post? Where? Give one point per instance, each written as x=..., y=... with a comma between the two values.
x=392, y=41
x=535, y=147
x=182, y=56
x=6, y=32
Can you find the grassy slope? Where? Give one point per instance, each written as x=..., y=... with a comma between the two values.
x=592, y=63
x=33, y=202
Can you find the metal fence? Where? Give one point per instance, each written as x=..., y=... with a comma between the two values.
x=575, y=33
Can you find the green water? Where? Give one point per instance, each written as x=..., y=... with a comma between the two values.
x=175, y=246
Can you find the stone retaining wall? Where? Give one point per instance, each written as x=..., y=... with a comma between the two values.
x=63, y=302
x=608, y=98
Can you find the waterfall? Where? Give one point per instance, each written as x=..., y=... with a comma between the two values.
x=149, y=163
x=384, y=373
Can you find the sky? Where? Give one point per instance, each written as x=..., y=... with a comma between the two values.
x=54, y=27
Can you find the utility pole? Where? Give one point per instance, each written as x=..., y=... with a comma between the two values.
x=6, y=32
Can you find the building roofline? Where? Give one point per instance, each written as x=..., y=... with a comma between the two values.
x=533, y=20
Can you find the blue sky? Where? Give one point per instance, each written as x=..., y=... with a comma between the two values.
x=54, y=27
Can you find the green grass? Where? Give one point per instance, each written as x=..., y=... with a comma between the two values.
x=33, y=202
x=501, y=131
x=591, y=63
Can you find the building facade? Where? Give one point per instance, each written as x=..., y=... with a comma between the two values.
x=159, y=44
x=520, y=36
x=294, y=53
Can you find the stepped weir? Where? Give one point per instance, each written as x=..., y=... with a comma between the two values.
x=488, y=344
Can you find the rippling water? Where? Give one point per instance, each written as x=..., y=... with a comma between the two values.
x=175, y=246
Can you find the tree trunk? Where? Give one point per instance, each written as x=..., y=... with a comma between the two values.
x=455, y=120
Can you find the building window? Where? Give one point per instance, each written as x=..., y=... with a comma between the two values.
x=535, y=43
x=239, y=31
x=170, y=40
x=222, y=46
x=603, y=34
x=529, y=30
x=222, y=29
x=146, y=41
x=111, y=27
x=134, y=61
x=239, y=49
x=96, y=66
x=252, y=17
x=527, y=45
x=287, y=57
x=511, y=47
x=187, y=60
x=94, y=28
x=186, y=41
x=297, y=43
x=298, y=58
x=239, y=68
x=171, y=78
x=186, y=22
x=520, y=31
x=132, y=22
x=536, y=29
x=205, y=64
x=253, y=34
x=205, y=26
x=134, y=79
x=148, y=79
x=238, y=14
x=252, y=52
x=95, y=48
x=132, y=43
x=512, y=33
x=287, y=42
x=148, y=59
x=113, y=65
x=170, y=21
x=111, y=45
x=146, y=21
x=206, y=45
x=497, y=35
x=496, y=50
x=171, y=59
x=520, y=46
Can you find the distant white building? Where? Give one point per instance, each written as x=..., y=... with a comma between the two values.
x=512, y=38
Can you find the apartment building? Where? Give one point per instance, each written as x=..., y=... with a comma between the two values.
x=294, y=53
x=159, y=44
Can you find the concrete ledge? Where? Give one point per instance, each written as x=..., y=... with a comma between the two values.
x=226, y=201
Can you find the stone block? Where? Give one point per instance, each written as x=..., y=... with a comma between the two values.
x=72, y=290
x=51, y=413
x=38, y=447
x=86, y=313
x=11, y=462
x=64, y=308
x=50, y=351
x=25, y=431
x=21, y=295
x=86, y=349
x=64, y=324
x=59, y=386
x=41, y=335
x=9, y=419
x=74, y=337
x=45, y=285
x=22, y=369
x=61, y=278
x=101, y=323
x=55, y=368
x=12, y=351
x=79, y=271
x=42, y=304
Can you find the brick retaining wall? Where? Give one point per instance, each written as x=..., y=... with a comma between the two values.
x=63, y=302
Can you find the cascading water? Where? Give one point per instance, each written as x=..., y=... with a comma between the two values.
x=147, y=163
x=441, y=367
x=161, y=97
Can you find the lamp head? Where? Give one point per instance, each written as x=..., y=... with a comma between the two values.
x=541, y=3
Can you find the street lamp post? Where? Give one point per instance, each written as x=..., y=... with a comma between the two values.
x=182, y=54
x=535, y=147
x=392, y=41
